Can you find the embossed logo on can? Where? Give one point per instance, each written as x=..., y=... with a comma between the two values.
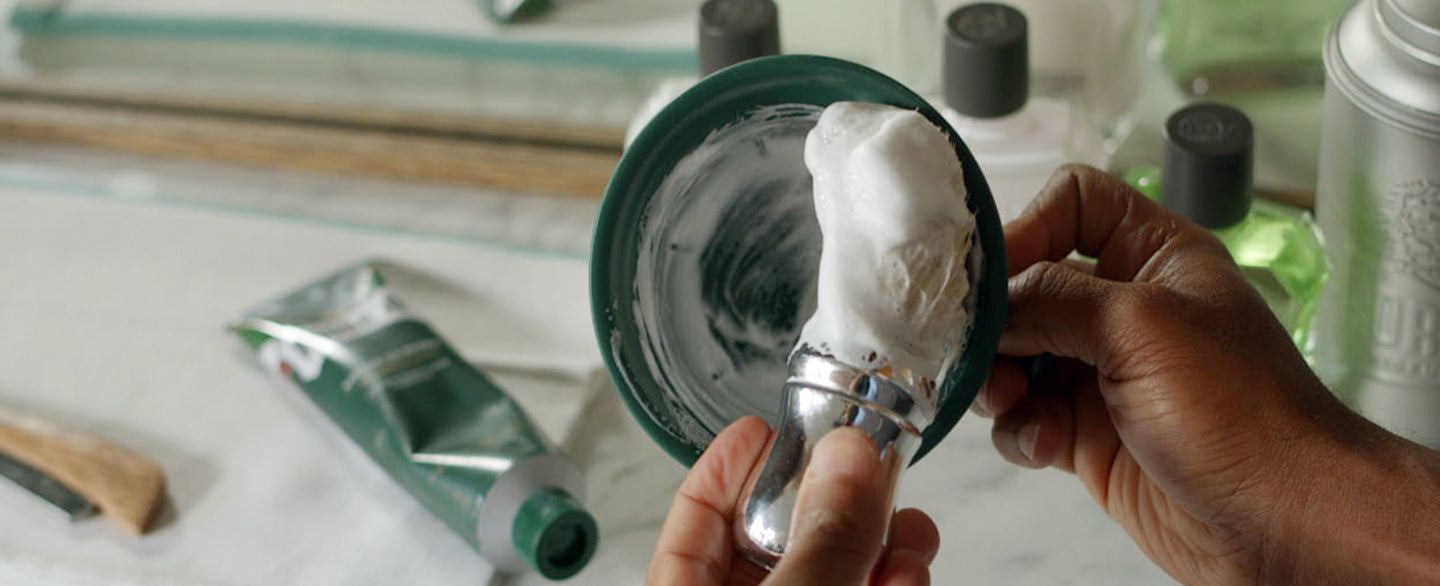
x=1411, y=211
x=1407, y=300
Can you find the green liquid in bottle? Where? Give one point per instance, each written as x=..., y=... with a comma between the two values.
x=1146, y=179
x=1227, y=47
x=1261, y=56
x=1279, y=251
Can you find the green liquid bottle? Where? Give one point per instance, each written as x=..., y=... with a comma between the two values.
x=1207, y=178
x=1263, y=57
x=1225, y=47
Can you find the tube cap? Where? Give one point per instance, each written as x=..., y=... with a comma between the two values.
x=554, y=534
x=1209, y=161
x=732, y=31
x=986, y=66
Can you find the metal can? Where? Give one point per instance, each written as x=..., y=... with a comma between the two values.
x=1378, y=205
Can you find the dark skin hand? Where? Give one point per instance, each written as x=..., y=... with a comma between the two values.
x=1183, y=407
x=1176, y=398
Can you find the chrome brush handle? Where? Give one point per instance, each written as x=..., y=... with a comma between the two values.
x=823, y=394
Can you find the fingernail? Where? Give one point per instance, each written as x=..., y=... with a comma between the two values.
x=1026, y=439
x=844, y=452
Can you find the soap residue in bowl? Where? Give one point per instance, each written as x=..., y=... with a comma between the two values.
x=725, y=274
x=726, y=270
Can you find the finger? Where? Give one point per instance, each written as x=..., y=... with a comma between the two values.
x=1002, y=390
x=914, y=541
x=1126, y=330
x=840, y=515
x=695, y=546
x=913, y=530
x=1037, y=432
x=1063, y=422
x=1085, y=210
x=903, y=568
x=1056, y=309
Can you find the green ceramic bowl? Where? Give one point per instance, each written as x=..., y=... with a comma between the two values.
x=706, y=249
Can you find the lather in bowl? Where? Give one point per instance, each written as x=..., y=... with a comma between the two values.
x=703, y=267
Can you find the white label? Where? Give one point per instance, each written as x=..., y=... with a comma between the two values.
x=286, y=358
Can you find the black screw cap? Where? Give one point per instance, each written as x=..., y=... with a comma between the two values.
x=1209, y=164
x=732, y=31
x=986, y=66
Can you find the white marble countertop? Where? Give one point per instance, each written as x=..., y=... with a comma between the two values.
x=110, y=318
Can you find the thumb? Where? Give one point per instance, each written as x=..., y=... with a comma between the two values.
x=839, y=524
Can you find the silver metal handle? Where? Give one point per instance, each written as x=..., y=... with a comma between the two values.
x=823, y=394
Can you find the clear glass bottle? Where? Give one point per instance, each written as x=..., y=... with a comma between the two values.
x=1017, y=140
x=1082, y=54
x=730, y=31
x=1207, y=178
x=1068, y=42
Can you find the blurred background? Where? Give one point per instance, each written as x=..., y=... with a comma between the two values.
x=468, y=109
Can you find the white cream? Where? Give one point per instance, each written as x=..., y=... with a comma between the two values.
x=890, y=197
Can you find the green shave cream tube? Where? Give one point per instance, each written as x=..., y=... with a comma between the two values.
x=435, y=424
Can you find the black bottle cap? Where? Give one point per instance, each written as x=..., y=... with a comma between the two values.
x=986, y=64
x=1209, y=159
x=732, y=31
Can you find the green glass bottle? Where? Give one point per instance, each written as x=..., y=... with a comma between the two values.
x=1222, y=47
x=1263, y=57
x=1207, y=178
